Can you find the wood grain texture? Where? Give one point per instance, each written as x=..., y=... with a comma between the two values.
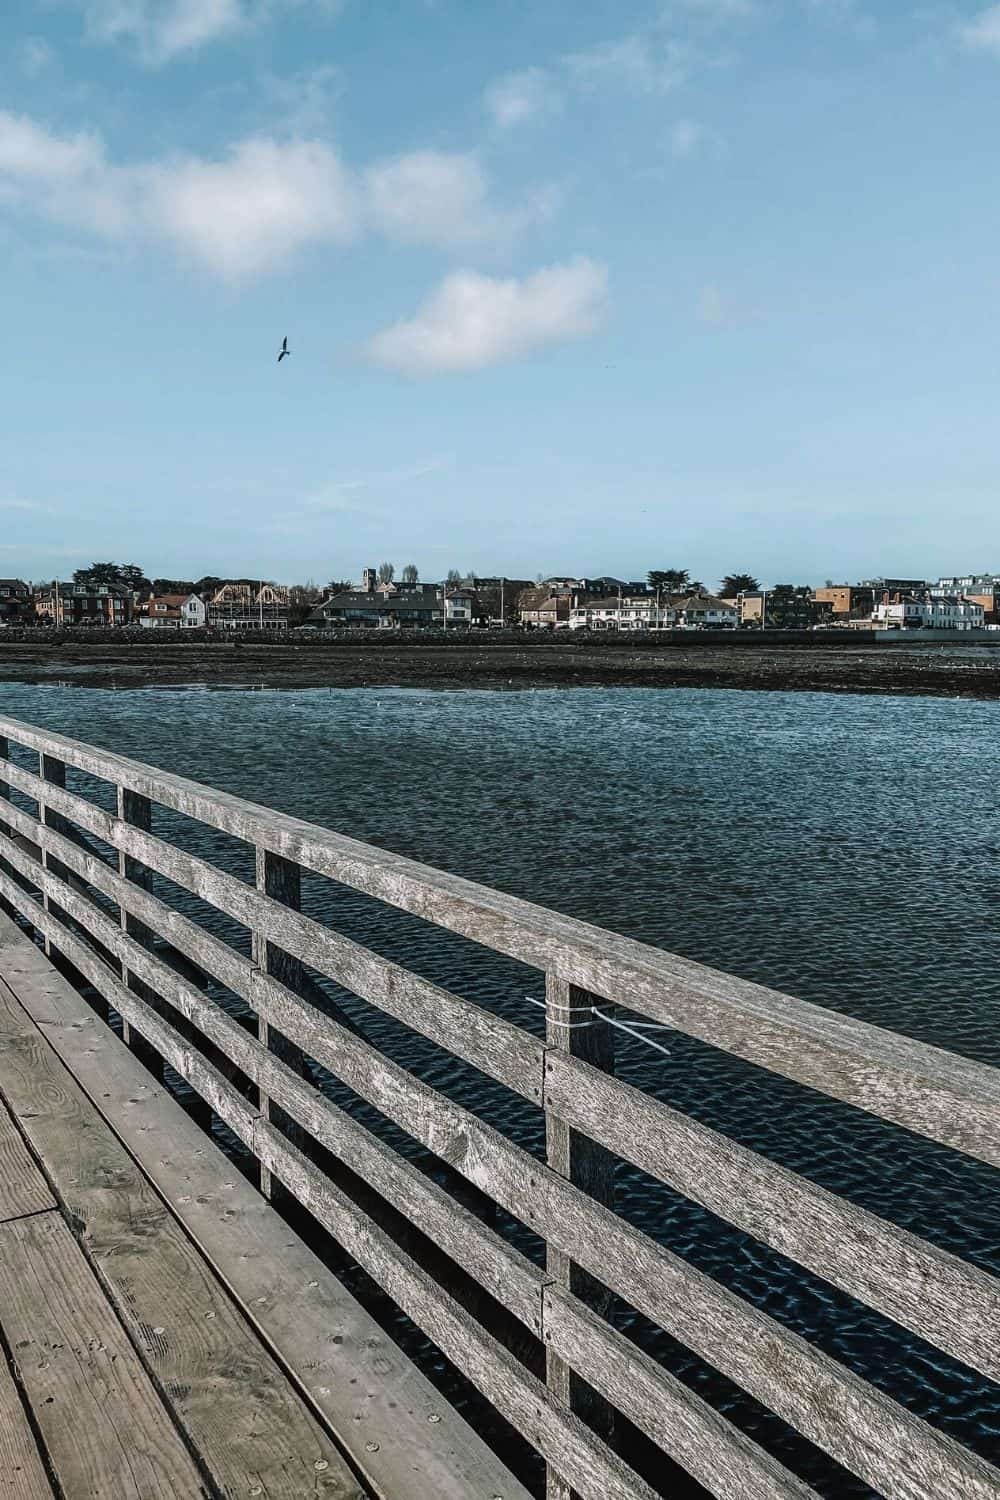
x=495, y=1046
x=950, y=1099
x=506, y=1274
x=238, y=1409
x=868, y=1433
x=52, y=772
x=572, y=1030
x=106, y=1431
x=713, y=1451
x=376, y=1400
x=595, y=1472
x=23, y=1189
x=901, y=1456
x=22, y=1470
x=139, y=812
x=952, y=1304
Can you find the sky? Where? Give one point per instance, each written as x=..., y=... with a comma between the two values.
x=571, y=286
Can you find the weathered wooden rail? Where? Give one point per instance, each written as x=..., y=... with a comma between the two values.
x=101, y=917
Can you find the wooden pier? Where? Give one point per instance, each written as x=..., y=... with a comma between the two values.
x=166, y=1331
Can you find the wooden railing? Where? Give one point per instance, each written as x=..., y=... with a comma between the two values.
x=591, y=1117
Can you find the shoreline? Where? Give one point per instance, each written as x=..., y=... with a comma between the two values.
x=907, y=669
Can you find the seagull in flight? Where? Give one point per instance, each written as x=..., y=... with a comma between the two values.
x=284, y=349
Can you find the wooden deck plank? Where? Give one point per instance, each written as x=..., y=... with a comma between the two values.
x=105, y=1428
x=23, y=1189
x=247, y=1422
x=22, y=1472
x=374, y=1398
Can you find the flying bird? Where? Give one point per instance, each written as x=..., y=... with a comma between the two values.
x=284, y=349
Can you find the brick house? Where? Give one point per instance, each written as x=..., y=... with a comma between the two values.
x=15, y=601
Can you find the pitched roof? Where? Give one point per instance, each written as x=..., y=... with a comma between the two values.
x=380, y=604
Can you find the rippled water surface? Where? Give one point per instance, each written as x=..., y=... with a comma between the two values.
x=842, y=849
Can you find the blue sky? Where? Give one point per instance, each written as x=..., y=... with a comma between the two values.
x=571, y=286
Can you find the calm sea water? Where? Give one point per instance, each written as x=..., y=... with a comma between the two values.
x=841, y=849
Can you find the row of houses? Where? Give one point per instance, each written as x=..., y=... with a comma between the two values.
x=234, y=606
x=954, y=604
x=961, y=602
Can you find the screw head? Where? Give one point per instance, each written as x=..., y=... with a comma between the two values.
x=320, y=1465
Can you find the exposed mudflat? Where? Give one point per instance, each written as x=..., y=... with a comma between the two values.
x=514, y=662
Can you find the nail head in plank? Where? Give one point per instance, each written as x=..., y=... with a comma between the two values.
x=103, y=1424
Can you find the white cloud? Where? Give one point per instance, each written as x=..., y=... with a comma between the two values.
x=689, y=140
x=430, y=198
x=238, y=216
x=442, y=198
x=650, y=64
x=522, y=96
x=471, y=321
x=982, y=34
x=250, y=210
x=161, y=30
x=29, y=151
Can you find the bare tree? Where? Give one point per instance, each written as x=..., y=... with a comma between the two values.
x=410, y=574
x=454, y=577
x=386, y=572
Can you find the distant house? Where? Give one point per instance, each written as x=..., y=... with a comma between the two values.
x=173, y=612
x=15, y=601
x=382, y=607
x=622, y=612
x=783, y=607
x=949, y=613
x=847, y=601
x=460, y=606
x=981, y=588
x=244, y=607
x=541, y=607
x=71, y=604
x=704, y=612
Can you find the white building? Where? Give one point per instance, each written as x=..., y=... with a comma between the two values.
x=459, y=604
x=635, y=612
x=702, y=612
x=174, y=612
x=645, y=612
x=930, y=614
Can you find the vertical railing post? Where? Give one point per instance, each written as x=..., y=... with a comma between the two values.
x=281, y=879
x=52, y=770
x=573, y=1027
x=5, y=830
x=137, y=812
x=4, y=786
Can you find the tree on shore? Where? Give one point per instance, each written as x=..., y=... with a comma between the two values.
x=737, y=583
x=174, y=586
x=386, y=572
x=674, y=580
x=126, y=575
x=410, y=574
x=338, y=586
